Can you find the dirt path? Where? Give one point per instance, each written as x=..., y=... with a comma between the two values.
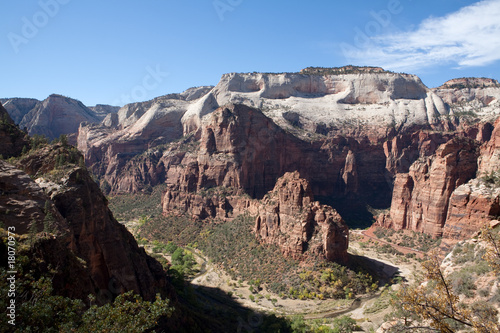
x=311, y=309
x=369, y=233
x=406, y=268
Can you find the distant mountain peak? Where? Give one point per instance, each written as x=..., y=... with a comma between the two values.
x=470, y=82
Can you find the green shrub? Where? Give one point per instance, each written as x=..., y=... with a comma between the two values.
x=463, y=283
x=170, y=247
x=344, y=324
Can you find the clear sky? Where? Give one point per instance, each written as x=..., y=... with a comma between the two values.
x=119, y=51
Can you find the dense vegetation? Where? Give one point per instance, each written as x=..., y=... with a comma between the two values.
x=41, y=308
x=408, y=238
x=452, y=302
x=234, y=247
x=128, y=207
x=343, y=70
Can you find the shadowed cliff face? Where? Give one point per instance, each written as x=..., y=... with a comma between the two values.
x=421, y=196
x=66, y=202
x=321, y=109
x=243, y=150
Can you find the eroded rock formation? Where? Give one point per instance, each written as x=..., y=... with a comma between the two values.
x=471, y=206
x=323, y=109
x=12, y=139
x=290, y=218
x=421, y=196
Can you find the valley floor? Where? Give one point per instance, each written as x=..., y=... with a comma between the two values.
x=368, y=310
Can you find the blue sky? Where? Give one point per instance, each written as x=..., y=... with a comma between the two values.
x=114, y=52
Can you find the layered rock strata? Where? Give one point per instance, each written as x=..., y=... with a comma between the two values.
x=322, y=108
x=290, y=218
x=421, y=197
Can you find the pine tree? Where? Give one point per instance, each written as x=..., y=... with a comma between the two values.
x=81, y=162
x=64, y=140
x=33, y=230
x=48, y=221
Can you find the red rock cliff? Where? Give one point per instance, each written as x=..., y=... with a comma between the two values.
x=290, y=218
x=421, y=196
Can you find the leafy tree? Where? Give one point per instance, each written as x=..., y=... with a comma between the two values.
x=63, y=139
x=38, y=309
x=38, y=141
x=105, y=187
x=492, y=240
x=33, y=230
x=178, y=257
x=81, y=162
x=344, y=324
x=436, y=302
x=298, y=325
x=128, y=313
x=170, y=247
x=49, y=220
x=183, y=262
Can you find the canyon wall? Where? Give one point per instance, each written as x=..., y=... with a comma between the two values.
x=453, y=193
x=421, y=197
x=362, y=139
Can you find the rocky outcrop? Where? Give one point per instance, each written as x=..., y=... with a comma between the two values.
x=354, y=134
x=103, y=110
x=57, y=115
x=472, y=206
x=289, y=217
x=80, y=219
x=241, y=149
x=404, y=149
x=23, y=202
x=421, y=197
x=470, y=82
x=358, y=104
x=133, y=130
x=471, y=97
x=463, y=90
